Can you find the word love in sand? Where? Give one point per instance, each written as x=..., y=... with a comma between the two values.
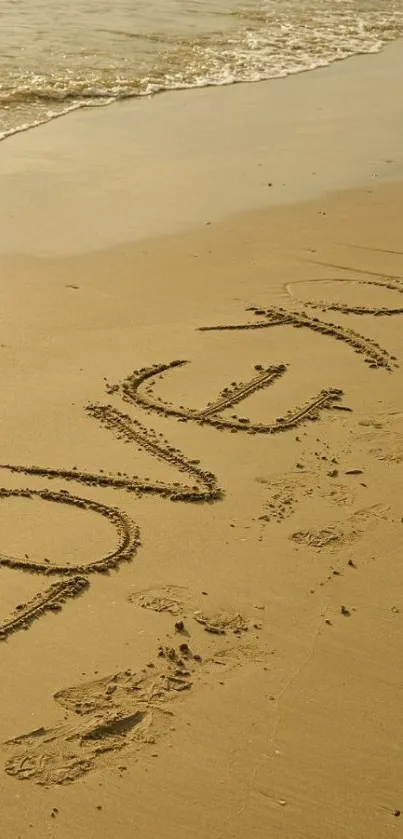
x=202, y=486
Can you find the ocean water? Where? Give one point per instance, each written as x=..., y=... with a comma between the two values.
x=59, y=55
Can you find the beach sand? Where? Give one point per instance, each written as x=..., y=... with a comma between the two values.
x=218, y=651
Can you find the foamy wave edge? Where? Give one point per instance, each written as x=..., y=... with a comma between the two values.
x=153, y=89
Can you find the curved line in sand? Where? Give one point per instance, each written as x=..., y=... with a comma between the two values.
x=374, y=354
x=204, y=489
x=228, y=398
x=377, y=311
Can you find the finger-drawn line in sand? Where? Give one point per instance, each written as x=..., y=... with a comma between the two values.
x=370, y=248
x=128, y=536
x=204, y=489
x=352, y=270
x=344, y=308
x=230, y=396
x=373, y=353
x=50, y=600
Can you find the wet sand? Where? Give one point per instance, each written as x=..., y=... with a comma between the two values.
x=216, y=372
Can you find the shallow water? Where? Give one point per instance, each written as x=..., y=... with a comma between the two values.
x=59, y=56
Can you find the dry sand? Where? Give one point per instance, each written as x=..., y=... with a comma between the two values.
x=252, y=496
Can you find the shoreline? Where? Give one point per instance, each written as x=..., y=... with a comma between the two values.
x=160, y=166
x=151, y=95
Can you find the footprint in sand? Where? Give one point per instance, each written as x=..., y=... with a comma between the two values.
x=132, y=710
x=341, y=533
